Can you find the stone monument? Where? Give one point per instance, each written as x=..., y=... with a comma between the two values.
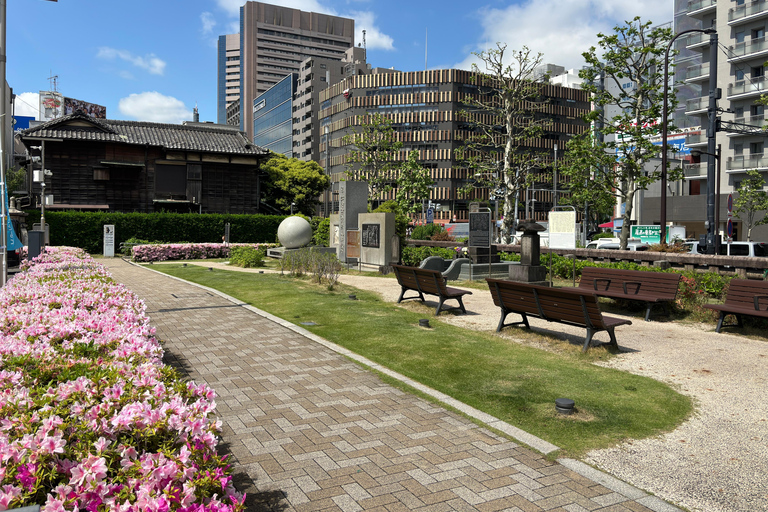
x=353, y=200
x=530, y=269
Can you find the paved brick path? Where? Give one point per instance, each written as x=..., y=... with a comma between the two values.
x=310, y=430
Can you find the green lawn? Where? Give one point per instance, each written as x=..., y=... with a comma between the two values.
x=516, y=383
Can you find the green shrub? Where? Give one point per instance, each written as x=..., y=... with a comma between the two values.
x=603, y=235
x=426, y=232
x=401, y=220
x=321, y=231
x=246, y=257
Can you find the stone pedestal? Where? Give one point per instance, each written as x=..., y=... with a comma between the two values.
x=480, y=255
x=530, y=269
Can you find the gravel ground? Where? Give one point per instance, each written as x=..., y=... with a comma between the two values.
x=715, y=462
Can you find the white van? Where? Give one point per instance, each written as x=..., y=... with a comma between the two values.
x=751, y=249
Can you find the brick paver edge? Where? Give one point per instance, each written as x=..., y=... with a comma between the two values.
x=627, y=490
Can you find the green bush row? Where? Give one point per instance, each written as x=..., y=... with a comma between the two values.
x=86, y=229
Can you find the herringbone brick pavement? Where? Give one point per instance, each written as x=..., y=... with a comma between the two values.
x=310, y=430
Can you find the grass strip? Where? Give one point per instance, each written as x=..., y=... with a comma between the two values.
x=513, y=382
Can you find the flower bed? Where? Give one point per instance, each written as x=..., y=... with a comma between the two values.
x=90, y=417
x=166, y=252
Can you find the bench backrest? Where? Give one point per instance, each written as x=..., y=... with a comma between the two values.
x=568, y=305
x=658, y=284
x=425, y=280
x=742, y=293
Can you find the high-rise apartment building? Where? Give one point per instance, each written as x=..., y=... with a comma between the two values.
x=273, y=41
x=228, y=84
x=741, y=81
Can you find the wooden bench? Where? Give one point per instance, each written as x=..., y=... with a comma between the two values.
x=570, y=306
x=431, y=282
x=744, y=297
x=637, y=285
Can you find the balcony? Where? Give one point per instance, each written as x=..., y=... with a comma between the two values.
x=747, y=125
x=696, y=139
x=745, y=163
x=698, y=170
x=696, y=106
x=697, y=7
x=748, y=49
x=747, y=12
x=696, y=40
x=746, y=88
x=697, y=72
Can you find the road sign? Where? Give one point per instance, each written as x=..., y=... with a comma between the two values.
x=430, y=215
x=729, y=228
x=730, y=204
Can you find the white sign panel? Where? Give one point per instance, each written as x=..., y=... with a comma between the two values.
x=109, y=240
x=562, y=230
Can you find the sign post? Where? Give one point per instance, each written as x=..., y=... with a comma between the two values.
x=730, y=219
x=109, y=240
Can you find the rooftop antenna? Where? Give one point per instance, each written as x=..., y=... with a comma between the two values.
x=365, y=48
x=195, y=114
x=54, y=83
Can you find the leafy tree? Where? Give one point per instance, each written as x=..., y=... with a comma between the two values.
x=503, y=113
x=373, y=157
x=752, y=202
x=15, y=179
x=634, y=52
x=293, y=181
x=585, y=191
x=413, y=182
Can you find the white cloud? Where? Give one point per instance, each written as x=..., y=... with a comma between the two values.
x=571, y=26
x=27, y=104
x=374, y=38
x=208, y=21
x=154, y=107
x=150, y=62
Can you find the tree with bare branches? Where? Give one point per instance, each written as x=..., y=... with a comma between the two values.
x=504, y=115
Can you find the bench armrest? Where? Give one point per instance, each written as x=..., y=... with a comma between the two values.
x=635, y=283
x=757, y=301
x=601, y=279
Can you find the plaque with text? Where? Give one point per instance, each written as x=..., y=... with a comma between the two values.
x=480, y=229
x=371, y=235
x=353, y=244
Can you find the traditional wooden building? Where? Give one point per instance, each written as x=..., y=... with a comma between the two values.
x=131, y=166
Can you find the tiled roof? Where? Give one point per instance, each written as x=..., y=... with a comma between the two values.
x=211, y=138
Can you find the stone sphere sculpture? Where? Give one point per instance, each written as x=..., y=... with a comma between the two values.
x=294, y=232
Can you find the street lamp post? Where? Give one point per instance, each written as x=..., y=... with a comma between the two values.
x=664, y=116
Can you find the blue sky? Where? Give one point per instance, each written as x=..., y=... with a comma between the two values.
x=154, y=60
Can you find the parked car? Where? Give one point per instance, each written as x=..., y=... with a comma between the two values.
x=614, y=244
x=752, y=249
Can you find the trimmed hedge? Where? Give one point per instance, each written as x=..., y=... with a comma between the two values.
x=85, y=229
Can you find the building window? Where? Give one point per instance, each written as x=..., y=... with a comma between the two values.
x=756, y=148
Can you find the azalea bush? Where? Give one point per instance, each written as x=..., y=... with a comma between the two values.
x=90, y=417
x=169, y=252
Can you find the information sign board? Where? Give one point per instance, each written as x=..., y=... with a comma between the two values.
x=430, y=215
x=479, y=229
x=562, y=229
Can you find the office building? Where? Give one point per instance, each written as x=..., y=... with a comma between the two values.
x=424, y=107
x=273, y=41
